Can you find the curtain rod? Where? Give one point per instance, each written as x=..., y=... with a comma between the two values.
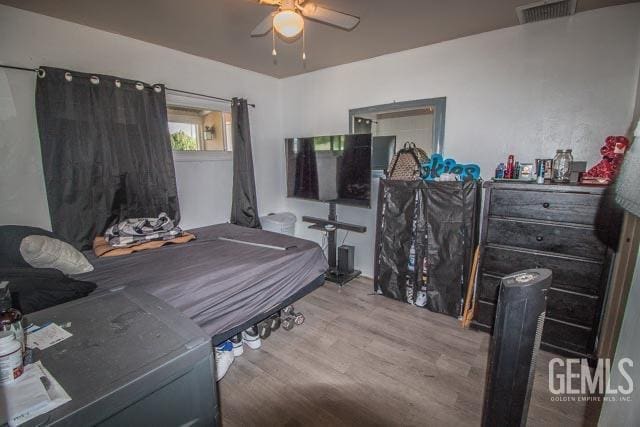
x=204, y=96
x=217, y=98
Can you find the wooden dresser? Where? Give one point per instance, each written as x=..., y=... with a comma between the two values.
x=568, y=229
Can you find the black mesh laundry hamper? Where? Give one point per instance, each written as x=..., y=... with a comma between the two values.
x=440, y=220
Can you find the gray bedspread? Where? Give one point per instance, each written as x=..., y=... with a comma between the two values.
x=219, y=284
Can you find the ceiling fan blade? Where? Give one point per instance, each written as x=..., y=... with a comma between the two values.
x=328, y=16
x=263, y=27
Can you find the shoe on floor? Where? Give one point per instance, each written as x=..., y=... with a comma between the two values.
x=264, y=329
x=238, y=348
x=224, y=359
x=251, y=337
x=421, y=299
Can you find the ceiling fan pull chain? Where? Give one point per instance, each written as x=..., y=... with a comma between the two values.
x=273, y=33
x=304, y=48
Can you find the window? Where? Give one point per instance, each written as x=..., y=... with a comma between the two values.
x=227, y=130
x=329, y=143
x=199, y=129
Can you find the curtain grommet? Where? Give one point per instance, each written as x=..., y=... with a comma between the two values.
x=118, y=83
x=157, y=88
x=94, y=79
x=139, y=86
x=68, y=77
x=41, y=73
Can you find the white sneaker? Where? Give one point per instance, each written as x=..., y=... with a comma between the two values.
x=421, y=299
x=238, y=348
x=224, y=359
x=251, y=337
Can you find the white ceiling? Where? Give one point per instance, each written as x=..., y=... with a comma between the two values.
x=219, y=29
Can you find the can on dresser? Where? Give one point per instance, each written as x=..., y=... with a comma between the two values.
x=548, y=166
x=539, y=172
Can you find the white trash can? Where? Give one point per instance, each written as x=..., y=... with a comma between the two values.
x=281, y=222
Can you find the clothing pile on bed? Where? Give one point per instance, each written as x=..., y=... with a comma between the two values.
x=137, y=234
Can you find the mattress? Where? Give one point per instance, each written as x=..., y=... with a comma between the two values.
x=218, y=283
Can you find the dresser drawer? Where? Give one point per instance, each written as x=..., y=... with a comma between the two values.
x=485, y=313
x=488, y=287
x=573, y=308
x=564, y=336
x=561, y=305
x=570, y=274
x=579, y=208
x=563, y=239
x=558, y=335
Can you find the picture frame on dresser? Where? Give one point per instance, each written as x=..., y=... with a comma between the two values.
x=573, y=230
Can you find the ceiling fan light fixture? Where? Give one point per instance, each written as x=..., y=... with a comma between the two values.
x=288, y=23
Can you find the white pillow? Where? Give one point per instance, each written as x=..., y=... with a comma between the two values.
x=47, y=252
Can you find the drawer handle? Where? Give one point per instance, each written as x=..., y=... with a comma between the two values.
x=539, y=238
x=545, y=205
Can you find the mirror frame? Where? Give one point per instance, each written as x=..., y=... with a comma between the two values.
x=439, y=105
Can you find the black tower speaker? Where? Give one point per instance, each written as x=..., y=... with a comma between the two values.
x=345, y=258
x=520, y=311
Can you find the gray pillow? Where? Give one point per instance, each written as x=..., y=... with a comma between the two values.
x=46, y=252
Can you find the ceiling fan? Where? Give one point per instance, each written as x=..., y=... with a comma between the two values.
x=288, y=20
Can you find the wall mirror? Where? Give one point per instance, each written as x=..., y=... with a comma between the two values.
x=391, y=125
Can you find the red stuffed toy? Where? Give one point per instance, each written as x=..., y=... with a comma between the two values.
x=612, y=154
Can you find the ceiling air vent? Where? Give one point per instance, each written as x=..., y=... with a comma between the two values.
x=543, y=10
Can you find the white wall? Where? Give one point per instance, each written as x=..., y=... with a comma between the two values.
x=526, y=90
x=30, y=40
x=417, y=128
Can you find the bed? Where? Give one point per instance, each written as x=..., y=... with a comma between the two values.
x=223, y=286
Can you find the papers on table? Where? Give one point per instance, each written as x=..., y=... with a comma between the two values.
x=36, y=392
x=46, y=336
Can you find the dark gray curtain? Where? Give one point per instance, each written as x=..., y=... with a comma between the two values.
x=105, y=151
x=244, y=205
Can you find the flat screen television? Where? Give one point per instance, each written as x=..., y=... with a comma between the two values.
x=328, y=169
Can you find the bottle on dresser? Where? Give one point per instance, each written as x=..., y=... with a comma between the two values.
x=11, y=338
x=10, y=318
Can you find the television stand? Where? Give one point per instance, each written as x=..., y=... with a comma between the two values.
x=333, y=275
x=331, y=226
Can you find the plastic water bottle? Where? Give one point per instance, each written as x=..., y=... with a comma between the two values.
x=412, y=258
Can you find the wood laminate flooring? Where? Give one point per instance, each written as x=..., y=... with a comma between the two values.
x=363, y=359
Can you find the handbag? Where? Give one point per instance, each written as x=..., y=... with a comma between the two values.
x=406, y=164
